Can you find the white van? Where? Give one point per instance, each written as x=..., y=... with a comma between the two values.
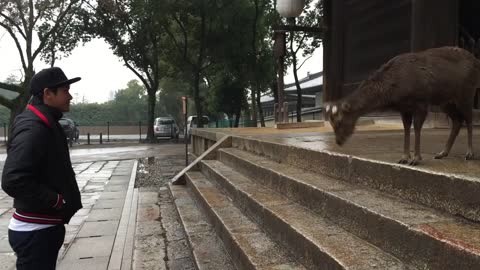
x=165, y=127
x=192, y=122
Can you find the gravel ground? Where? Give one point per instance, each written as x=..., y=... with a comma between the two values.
x=157, y=171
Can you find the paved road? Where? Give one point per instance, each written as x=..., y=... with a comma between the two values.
x=88, y=153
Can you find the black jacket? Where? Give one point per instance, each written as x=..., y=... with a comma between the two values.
x=38, y=169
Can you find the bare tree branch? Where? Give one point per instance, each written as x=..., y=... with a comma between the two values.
x=185, y=38
x=60, y=18
x=17, y=44
x=14, y=24
x=305, y=60
x=300, y=43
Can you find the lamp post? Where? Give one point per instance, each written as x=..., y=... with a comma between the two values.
x=185, y=136
x=289, y=9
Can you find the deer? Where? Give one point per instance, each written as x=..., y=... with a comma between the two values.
x=411, y=83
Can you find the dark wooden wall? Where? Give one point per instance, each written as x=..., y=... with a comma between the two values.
x=363, y=34
x=434, y=23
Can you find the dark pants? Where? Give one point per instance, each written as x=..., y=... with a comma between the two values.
x=37, y=249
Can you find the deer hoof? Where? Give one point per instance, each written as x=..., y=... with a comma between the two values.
x=414, y=162
x=440, y=155
x=403, y=161
x=469, y=156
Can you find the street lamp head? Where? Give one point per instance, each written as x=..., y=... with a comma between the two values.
x=290, y=8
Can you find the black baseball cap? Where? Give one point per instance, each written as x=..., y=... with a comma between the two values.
x=49, y=78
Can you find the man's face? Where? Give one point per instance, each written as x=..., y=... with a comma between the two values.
x=59, y=100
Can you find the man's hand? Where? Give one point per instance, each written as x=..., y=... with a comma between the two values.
x=60, y=202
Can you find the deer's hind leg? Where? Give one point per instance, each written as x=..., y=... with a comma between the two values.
x=407, y=124
x=457, y=118
x=467, y=113
x=418, y=119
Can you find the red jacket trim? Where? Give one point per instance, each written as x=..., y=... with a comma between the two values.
x=37, y=218
x=39, y=114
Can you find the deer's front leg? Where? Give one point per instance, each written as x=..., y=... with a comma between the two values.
x=407, y=124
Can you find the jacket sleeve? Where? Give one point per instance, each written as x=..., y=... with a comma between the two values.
x=22, y=170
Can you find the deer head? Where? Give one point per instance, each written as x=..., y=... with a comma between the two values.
x=341, y=119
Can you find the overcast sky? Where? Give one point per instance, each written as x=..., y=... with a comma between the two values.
x=102, y=72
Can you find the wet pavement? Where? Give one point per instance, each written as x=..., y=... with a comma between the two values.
x=100, y=235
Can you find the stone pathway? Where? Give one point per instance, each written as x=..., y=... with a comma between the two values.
x=120, y=226
x=99, y=236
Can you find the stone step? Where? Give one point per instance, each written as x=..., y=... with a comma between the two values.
x=206, y=247
x=456, y=194
x=247, y=244
x=414, y=233
x=316, y=241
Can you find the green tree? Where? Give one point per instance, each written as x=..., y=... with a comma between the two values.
x=262, y=67
x=129, y=104
x=127, y=108
x=199, y=32
x=228, y=95
x=133, y=29
x=32, y=24
x=170, y=98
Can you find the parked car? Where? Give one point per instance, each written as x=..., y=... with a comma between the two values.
x=192, y=122
x=166, y=127
x=71, y=130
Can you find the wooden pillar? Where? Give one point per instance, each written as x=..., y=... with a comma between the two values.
x=333, y=49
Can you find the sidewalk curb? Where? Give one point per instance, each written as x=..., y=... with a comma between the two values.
x=125, y=232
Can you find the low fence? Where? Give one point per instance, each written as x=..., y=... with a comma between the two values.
x=113, y=130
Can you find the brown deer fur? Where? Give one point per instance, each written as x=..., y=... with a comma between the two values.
x=410, y=83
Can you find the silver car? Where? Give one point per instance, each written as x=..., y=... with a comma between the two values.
x=165, y=127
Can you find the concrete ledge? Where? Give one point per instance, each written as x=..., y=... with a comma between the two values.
x=307, y=124
x=121, y=257
x=448, y=192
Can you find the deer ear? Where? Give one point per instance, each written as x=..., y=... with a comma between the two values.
x=346, y=107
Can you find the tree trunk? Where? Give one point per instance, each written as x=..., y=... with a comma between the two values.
x=198, y=69
x=237, y=118
x=274, y=87
x=297, y=83
x=255, y=90
x=196, y=98
x=151, y=115
x=260, y=109
x=254, y=106
x=20, y=102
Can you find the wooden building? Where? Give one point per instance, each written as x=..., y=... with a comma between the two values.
x=363, y=34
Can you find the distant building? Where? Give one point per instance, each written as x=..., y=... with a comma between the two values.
x=311, y=87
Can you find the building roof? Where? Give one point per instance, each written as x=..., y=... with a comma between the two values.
x=311, y=81
x=315, y=82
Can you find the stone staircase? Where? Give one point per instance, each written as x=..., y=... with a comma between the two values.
x=248, y=204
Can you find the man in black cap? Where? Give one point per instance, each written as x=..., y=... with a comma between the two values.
x=38, y=173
